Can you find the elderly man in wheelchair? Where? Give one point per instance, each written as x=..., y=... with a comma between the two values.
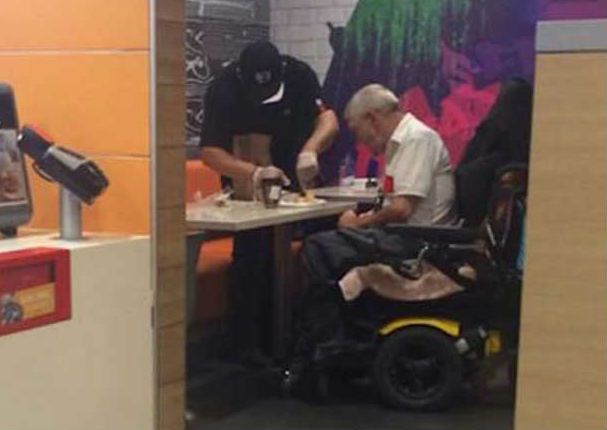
x=405, y=293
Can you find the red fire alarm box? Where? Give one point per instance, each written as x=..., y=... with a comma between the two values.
x=34, y=288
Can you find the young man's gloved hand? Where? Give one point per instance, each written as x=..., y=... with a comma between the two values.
x=267, y=172
x=307, y=169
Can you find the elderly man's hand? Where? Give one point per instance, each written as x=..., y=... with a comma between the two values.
x=348, y=219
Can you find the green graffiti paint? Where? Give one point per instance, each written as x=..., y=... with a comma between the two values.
x=394, y=36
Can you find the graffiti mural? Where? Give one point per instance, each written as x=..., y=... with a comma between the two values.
x=445, y=59
x=216, y=32
x=200, y=73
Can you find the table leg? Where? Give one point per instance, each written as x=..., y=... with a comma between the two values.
x=194, y=244
x=281, y=307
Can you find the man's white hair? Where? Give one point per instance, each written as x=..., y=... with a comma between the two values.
x=372, y=97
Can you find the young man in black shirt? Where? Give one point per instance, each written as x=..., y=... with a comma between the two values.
x=264, y=118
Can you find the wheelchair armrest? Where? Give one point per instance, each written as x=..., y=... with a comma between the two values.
x=435, y=233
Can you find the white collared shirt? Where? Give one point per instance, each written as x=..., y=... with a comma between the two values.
x=418, y=163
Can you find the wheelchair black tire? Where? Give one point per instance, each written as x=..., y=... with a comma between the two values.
x=448, y=366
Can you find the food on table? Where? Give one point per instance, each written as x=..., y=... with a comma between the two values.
x=307, y=197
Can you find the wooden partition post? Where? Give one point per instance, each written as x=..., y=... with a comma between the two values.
x=562, y=378
x=168, y=208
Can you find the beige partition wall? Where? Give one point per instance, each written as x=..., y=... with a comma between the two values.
x=168, y=208
x=562, y=379
x=95, y=369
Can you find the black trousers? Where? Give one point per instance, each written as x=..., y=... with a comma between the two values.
x=251, y=290
x=327, y=257
x=251, y=285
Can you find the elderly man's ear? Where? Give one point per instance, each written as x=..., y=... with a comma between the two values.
x=375, y=118
x=370, y=116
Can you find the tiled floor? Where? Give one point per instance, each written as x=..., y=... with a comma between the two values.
x=250, y=403
x=274, y=414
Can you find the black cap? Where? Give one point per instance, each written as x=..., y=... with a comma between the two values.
x=261, y=71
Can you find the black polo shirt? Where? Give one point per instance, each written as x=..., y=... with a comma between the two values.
x=289, y=122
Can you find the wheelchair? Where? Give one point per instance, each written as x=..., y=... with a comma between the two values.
x=419, y=354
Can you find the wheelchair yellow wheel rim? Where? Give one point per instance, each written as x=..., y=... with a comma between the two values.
x=452, y=328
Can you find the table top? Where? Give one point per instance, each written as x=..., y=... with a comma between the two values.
x=242, y=215
x=348, y=193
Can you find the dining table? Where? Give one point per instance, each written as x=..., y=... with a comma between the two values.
x=349, y=193
x=206, y=216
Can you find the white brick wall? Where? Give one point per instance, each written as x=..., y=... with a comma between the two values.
x=298, y=28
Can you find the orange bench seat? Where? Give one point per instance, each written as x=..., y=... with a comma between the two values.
x=216, y=254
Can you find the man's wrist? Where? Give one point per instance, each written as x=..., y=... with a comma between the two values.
x=310, y=146
x=251, y=169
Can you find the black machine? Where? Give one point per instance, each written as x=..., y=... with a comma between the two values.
x=80, y=178
x=79, y=175
x=15, y=198
x=420, y=354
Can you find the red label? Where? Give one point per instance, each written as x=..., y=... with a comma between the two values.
x=25, y=276
x=388, y=184
x=34, y=288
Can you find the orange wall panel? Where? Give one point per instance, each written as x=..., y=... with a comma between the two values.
x=80, y=71
x=96, y=103
x=74, y=24
x=124, y=207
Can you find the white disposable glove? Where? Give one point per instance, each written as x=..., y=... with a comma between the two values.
x=268, y=172
x=307, y=168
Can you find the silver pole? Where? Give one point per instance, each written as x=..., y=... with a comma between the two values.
x=70, y=216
